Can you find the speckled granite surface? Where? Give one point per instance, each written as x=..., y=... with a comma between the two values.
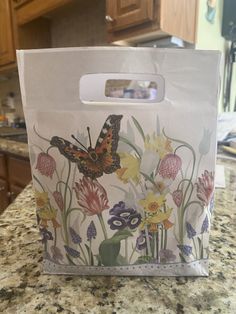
x=23, y=289
x=14, y=147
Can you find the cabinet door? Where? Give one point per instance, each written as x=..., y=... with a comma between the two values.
x=179, y=18
x=19, y=171
x=3, y=166
x=122, y=14
x=4, y=201
x=14, y=190
x=7, y=53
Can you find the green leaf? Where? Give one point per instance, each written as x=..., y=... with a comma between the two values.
x=183, y=260
x=109, y=249
x=200, y=247
x=126, y=141
x=121, y=260
x=139, y=128
x=143, y=260
x=90, y=253
x=121, y=235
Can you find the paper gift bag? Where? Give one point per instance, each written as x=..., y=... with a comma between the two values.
x=122, y=146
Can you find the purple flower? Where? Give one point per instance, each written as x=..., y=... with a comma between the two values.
x=205, y=225
x=91, y=231
x=190, y=231
x=46, y=164
x=166, y=256
x=134, y=221
x=45, y=235
x=141, y=242
x=185, y=249
x=75, y=237
x=117, y=223
x=71, y=252
x=123, y=217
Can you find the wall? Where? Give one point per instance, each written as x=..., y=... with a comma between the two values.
x=209, y=37
x=81, y=24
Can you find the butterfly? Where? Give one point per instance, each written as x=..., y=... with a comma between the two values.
x=93, y=162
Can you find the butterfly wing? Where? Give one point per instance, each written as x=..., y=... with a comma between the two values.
x=107, y=144
x=85, y=164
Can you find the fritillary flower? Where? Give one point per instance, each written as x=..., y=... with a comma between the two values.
x=91, y=196
x=205, y=187
x=46, y=164
x=170, y=166
x=177, y=196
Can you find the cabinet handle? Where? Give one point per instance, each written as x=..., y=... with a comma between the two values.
x=2, y=188
x=9, y=194
x=109, y=18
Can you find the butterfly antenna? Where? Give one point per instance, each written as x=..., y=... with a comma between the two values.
x=90, y=142
x=79, y=142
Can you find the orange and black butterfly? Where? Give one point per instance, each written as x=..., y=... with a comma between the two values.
x=93, y=162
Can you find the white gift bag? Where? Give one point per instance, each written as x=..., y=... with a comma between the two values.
x=122, y=146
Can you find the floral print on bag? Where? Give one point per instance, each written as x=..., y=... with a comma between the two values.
x=157, y=192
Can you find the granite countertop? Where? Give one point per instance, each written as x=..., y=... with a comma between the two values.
x=14, y=147
x=24, y=289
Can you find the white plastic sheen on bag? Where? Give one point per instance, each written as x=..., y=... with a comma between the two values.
x=122, y=146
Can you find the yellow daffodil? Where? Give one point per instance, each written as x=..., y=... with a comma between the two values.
x=152, y=203
x=130, y=168
x=159, y=217
x=41, y=199
x=159, y=144
x=48, y=214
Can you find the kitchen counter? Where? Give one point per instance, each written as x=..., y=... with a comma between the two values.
x=24, y=289
x=14, y=147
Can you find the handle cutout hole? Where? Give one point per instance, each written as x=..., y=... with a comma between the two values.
x=131, y=89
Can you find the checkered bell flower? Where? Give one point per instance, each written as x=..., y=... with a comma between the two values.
x=46, y=164
x=177, y=196
x=170, y=166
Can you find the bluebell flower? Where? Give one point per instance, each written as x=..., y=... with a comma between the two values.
x=205, y=225
x=190, y=231
x=91, y=231
x=45, y=235
x=75, y=237
x=72, y=252
x=185, y=249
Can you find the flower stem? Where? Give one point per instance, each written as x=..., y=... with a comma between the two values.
x=195, y=248
x=90, y=242
x=100, y=217
x=84, y=256
x=126, y=249
x=37, y=180
x=130, y=258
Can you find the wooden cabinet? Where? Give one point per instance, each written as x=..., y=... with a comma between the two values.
x=7, y=54
x=22, y=26
x=127, y=13
x=15, y=174
x=135, y=20
x=4, y=198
